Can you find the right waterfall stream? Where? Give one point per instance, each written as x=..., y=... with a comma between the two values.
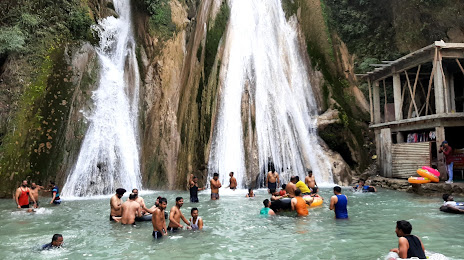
x=265, y=69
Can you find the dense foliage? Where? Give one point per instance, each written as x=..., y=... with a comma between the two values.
x=160, y=17
x=377, y=30
x=26, y=26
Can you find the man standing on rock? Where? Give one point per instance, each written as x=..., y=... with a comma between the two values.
x=23, y=193
x=448, y=152
x=215, y=185
x=115, y=203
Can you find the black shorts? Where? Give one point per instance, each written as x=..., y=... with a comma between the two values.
x=173, y=229
x=111, y=218
x=272, y=186
x=194, y=199
x=25, y=206
x=157, y=234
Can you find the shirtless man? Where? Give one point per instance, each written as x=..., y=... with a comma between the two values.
x=35, y=192
x=272, y=180
x=310, y=181
x=138, y=199
x=115, y=203
x=23, y=193
x=291, y=187
x=129, y=211
x=215, y=185
x=157, y=219
x=232, y=181
x=175, y=215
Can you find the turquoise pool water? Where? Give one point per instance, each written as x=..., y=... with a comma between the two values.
x=234, y=229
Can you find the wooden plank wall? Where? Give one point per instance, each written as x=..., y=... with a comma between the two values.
x=408, y=157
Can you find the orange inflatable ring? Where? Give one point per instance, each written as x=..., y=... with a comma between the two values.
x=428, y=175
x=316, y=202
x=418, y=180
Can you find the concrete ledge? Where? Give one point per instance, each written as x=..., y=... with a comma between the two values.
x=428, y=189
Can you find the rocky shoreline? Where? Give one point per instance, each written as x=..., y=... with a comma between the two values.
x=428, y=189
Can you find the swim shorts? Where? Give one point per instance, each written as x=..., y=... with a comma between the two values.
x=173, y=229
x=272, y=185
x=193, y=199
x=25, y=206
x=214, y=195
x=111, y=218
x=157, y=234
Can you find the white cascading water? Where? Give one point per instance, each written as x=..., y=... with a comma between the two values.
x=262, y=49
x=109, y=156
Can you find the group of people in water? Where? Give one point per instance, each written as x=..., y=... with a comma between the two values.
x=26, y=197
x=134, y=209
x=295, y=195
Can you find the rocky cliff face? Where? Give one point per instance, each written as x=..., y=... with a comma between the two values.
x=180, y=52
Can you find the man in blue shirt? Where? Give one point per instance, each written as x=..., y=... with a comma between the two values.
x=57, y=241
x=338, y=203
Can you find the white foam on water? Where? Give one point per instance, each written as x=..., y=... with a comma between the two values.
x=109, y=155
x=262, y=52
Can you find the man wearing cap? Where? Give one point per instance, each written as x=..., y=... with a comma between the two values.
x=115, y=203
x=447, y=152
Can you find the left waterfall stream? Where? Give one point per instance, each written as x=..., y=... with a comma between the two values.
x=109, y=154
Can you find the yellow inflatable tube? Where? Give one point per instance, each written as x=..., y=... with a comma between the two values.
x=316, y=202
x=418, y=180
x=428, y=175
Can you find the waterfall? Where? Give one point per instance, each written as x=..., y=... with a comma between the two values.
x=109, y=156
x=264, y=54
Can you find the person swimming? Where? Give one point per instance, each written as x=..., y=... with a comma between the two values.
x=57, y=241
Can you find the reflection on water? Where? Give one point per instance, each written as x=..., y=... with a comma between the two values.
x=234, y=229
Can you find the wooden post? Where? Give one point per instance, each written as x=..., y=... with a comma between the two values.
x=434, y=64
x=452, y=94
x=385, y=93
x=413, y=99
x=438, y=88
x=412, y=94
x=376, y=100
x=386, y=151
x=371, y=108
x=440, y=137
x=398, y=100
x=378, y=142
x=445, y=85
